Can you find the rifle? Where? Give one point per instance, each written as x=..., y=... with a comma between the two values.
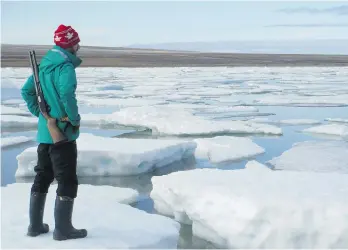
x=57, y=136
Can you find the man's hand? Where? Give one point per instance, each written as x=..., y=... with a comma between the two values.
x=75, y=129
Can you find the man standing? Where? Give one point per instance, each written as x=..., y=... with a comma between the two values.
x=58, y=82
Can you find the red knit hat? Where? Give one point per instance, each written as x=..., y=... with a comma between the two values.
x=66, y=36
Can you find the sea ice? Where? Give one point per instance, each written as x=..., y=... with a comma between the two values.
x=340, y=120
x=120, y=102
x=14, y=102
x=256, y=207
x=292, y=99
x=94, y=119
x=299, y=121
x=18, y=121
x=287, y=121
x=102, y=210
x=314, y=156
x=13, y=140
x=227, y=148
x=102, y=156
x=178, y=122
x=6, y=110
x=223, y=109
x=329, y=129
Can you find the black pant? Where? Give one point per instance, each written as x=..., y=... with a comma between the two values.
x=57, y=162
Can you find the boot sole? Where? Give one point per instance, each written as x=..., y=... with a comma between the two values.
x=34, y=234
x=37, y=233
x=59, y=237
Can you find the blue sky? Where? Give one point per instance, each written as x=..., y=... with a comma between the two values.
x=116, y=23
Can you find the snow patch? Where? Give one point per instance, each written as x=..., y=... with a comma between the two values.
x=99, y=209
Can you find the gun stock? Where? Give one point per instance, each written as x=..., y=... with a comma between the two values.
x=57, y=135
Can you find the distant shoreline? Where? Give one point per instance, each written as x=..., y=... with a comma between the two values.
x=17, y=56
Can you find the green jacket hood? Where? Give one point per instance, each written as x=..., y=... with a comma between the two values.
x=57, y=56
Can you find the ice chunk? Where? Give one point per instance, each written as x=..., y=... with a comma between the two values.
x=94, y=119
x=329, y=129
x=327, y=156
x=102, y=210
x=295, y=100
x=224, y=109
x=227, y=148
x=299, y=122
x=177, y=122
x=17, y=121
x=287, y=121
x=256, y=166
x=120, y=102
x=252, y=208
x=14, y=102
x=261, y=120
x=102, y=156
x=13, y=140
x=225, y=112
x=337, y=120
x=5, y=110
x=11, y=83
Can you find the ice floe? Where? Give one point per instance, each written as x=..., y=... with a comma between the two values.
x=314, y=156
x=6, y=110
x=256, y=207
x=102, y=156
x=329, y=129
x=13, y=140
x=169, y=121
x=18, y=121
x=227, y=148
x=102, y=210
x=339, y=120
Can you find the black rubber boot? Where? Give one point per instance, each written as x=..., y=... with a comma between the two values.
x=36, y=212
x=64, y=229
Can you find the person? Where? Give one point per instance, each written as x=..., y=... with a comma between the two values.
x=58, y=82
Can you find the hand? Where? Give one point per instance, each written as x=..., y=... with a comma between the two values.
x=75, y=128
x=64, y=119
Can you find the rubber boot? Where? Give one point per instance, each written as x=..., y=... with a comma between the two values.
x=64, y=229
x=36, y=212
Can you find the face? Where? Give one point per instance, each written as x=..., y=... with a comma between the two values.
x=76, y=48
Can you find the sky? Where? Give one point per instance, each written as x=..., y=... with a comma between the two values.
x=117, y=23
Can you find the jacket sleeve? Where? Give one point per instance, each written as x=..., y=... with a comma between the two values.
x=28, y=93
x=67, y=86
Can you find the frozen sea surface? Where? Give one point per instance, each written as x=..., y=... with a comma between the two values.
x=289, y=119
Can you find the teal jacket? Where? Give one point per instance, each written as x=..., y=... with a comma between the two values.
x=58, y=83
